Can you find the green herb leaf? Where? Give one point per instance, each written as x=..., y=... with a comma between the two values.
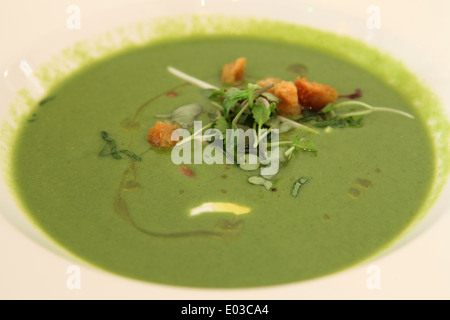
x=304, y=144
x=330, y=107
x=251, y=93
x=353, y=122
x=232, y=97
x=222, y=125
x=297, y=185
x=213, y=94
x=184, y=115
x=261, y=114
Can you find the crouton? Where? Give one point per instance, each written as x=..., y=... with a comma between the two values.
x=234, y=71
x=160, y=135
x=266, y=82
x=314, y=95
x=286, y=91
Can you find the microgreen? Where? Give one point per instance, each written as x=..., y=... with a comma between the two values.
x=191, y=79
x=251, y=93
x=368, y=109
x=195, y=134
x=232, y=97
x=297, y=125
x=261, y=114
x=222, y=125
x=304, y=144
x=297, y=185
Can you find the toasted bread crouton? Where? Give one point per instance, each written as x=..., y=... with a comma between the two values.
x=160, y=135
x=234, y=71
x=266, y=82
x=286, y=91
x=314, y=95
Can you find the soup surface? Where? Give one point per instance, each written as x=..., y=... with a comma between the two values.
x=366, y=185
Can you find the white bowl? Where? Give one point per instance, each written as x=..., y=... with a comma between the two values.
x=32, y=267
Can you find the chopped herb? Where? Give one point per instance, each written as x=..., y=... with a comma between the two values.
x=349, y=122
x=260, y=181
x=268, y=185
x=46, y=100
x=33, y=118
x=257, y=180
x=112, y=146
x=297, y=185
x=131, y=155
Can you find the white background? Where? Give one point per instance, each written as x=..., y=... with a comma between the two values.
x=417, y=270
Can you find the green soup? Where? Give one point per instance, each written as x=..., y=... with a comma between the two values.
x=366, y=185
